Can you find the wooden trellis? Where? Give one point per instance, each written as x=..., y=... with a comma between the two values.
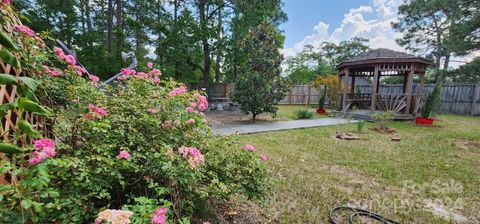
x=8, y=94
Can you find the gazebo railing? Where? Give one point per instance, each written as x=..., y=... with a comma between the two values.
x=416, y=103
x=360, y=100
x=394, y=102
x=391, y=102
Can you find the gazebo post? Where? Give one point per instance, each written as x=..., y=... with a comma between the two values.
x=352, y=90
x=340, y=97
x=408, y=90
x=374, y=89
x=345, y=90
x=421, y=85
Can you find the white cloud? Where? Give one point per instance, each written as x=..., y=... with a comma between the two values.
x=377, y=30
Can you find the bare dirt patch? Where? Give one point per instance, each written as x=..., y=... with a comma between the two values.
x=467, y=144
x=238, y=211
x=219, y=118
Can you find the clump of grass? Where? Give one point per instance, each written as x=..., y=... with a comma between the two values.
x=360, y=125
x=304, y=114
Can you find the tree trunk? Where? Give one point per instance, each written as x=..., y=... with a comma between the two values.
x=119, y=31
x=87, y=15
x=235, y=48
x=219, y=43
x=82, y=13
x=446, y=62
x=110, y=29
x=138, y=41
x=206, y=47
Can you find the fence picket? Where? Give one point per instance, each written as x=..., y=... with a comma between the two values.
x=456, y=98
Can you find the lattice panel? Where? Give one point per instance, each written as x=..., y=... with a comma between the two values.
x=8, y=93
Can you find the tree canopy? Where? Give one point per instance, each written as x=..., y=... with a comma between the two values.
x=312, y=62
x=190, y=40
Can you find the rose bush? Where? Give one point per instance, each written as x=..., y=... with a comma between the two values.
x=141, y=151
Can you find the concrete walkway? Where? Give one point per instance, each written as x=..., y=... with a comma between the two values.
x=277, y=126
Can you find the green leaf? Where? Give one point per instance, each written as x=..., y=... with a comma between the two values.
x=31, y=83
x=9, y=148
x=37, y=207
x=5, y=167
x=26, y=128
x=28, y=105
x=8, y=58
x=5, y=107
x=6, y=41
x=31, y=96
x=7, y=79
x=26, y=203
x=50, y=205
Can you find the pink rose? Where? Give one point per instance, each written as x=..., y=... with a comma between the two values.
x=24, y=29
x=202, y=107
x=123, y=155
x=155, y=80
x=101, y=112
x=127, y=71
x=59, y=52
x=94, y=79
x=249, y=148
x=35, y=160
x=152, y=110
x=150, y=65
x=45, y=148
x=167, y=124
x=183, y=151
x=190, y=109
x=194, y=152
x=159, y=216
x=191, y=121
x=70, y=60
x=49, y=152
x=178, y=91
x=155, y=72
x=43, y=143
x=263, y=158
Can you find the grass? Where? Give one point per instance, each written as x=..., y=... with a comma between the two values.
x=314, y=171
x=287, y=112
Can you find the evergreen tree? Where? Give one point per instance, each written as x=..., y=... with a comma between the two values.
x=260, y=86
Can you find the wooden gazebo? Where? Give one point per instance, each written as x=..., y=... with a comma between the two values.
x=378, y=63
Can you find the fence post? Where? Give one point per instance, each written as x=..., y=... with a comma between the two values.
x=476, y=92
x=309, y=95
x=290, y=97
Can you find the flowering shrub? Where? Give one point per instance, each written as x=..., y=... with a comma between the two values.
x=141, y=140
x=138, y=153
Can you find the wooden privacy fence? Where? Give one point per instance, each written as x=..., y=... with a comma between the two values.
x=455, y=98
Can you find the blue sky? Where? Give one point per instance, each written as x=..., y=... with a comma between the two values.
x=303, y=15
x=316, y=21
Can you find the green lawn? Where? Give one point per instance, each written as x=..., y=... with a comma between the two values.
x=287, y=112
x=314, y=171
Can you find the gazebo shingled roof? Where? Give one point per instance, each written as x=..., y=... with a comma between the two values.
x=382, y=55
x=376, y=63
